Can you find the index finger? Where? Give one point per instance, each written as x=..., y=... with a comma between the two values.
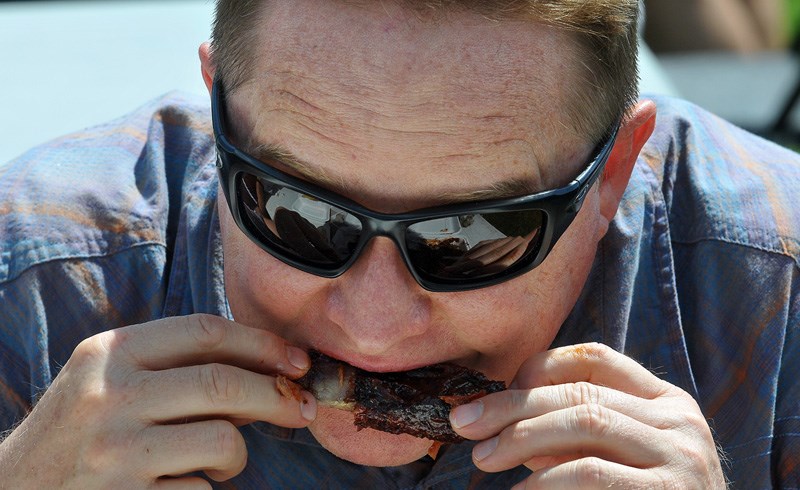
x=594, y=363
x=202, y=339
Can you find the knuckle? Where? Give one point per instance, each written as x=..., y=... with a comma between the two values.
x=592, y=419
x=227, y=444
x=695, y=458
x=220, y=384
x=516, y=400
x=207, y=331
x=91, y=350
x=696, y=421
x=520, y=433
x=581, y=393
x=589, y=473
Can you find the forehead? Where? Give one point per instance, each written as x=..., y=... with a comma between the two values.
x=338, y=42
x=333, y=81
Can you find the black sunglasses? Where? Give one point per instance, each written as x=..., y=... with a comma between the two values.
x=454, y=247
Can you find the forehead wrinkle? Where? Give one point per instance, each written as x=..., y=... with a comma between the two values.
x=403, y=71
x=353, y=120
x=534, y=174
x=311, y=112
x=421, y=91
x=313, y=108
x=529, y=179
x=374, y=98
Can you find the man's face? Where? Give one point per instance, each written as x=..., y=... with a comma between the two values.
x=399, y=113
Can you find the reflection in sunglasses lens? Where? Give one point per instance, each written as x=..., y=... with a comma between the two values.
x=297, y=224
x=475, y=245
x=468, y=246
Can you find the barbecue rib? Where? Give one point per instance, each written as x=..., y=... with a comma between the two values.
x=415, y=402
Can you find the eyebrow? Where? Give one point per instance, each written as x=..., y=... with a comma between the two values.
x=271, y=153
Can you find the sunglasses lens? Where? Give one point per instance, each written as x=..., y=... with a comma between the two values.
x=475, y=246
x=296, y=225
x=464, y=248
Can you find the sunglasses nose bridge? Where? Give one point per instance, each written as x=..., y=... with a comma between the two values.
x=394, y=230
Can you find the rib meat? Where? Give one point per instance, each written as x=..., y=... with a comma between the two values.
x=415, y=402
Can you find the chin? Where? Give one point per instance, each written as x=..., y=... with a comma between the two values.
x=335, y=431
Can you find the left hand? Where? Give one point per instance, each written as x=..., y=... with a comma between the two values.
x=587, y=416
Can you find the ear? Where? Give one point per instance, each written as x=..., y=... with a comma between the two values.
x=206, y=65
x=633, y=134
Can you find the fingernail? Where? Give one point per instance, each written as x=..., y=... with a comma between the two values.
x=464, y=415
x=308, y=406
x=297, y=358
x=485, y=448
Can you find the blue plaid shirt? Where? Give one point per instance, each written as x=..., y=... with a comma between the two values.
x=698, y=279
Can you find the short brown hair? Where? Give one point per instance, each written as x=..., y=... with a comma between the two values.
x=605, y=32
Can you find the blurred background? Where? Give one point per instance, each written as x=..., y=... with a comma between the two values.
x=67, y=65
x=738, y=58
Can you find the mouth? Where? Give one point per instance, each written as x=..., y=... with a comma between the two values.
x=416, y=401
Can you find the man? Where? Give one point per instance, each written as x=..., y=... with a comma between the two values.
x=332, y=121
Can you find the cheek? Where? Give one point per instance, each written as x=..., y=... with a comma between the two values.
x=262, y=291
x=505, y=324
x=512, y=321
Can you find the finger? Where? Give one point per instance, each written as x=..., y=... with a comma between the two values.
x=487, y=256
x=491, y=246
x=589, y=473
x=201, y=339
x=214, y=446
x=490, y=414
x=595, y=363
x=587, y=430
x=185, y=483
x=220, y=390
x=487, y=247
x=541, y=462
x=504, y=254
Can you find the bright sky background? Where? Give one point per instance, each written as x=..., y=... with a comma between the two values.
x=68, y=65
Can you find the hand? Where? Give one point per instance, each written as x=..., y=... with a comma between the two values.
x=162, y=399
x=491, y=256
x=584, y=417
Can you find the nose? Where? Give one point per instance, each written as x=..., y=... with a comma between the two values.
x=377, y=303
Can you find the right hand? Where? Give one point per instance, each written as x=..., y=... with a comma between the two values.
x=143, y=405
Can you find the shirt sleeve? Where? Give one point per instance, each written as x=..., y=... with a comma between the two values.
x=786, y=437
x=86, y=228
x=51, y=307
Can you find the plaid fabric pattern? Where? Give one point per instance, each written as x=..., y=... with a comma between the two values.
x=698, y=279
